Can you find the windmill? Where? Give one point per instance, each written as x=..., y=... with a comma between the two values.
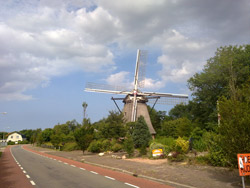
x=135, y=101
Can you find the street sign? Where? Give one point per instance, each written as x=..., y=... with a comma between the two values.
x=244, y=164
x=157, y=152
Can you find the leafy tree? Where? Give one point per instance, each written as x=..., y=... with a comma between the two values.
x=234, y=130
x=84, y=136
x=156, y=118
x=46, y=134
x=141, y=135
x=216, y=80
x=56, y=140
x=181, y=127
x=113, y=126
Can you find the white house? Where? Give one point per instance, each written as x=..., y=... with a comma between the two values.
x=15, y=137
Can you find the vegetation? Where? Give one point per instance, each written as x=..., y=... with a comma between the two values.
x=221, y=89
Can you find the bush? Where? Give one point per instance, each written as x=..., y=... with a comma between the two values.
x=106, y=145
x=95, y=146
x=129, y=145
x=11, y=143
x=199, y=145
x=70, y=146
x=156, y=145
x=23, y=142
x=181, y=145
x=116, y=147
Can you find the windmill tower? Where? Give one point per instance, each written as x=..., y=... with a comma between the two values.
x=135, y=101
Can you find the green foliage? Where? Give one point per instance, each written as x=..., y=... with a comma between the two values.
x=178, y=127
x=234, y=130
x=95, y=146
x=0, y=154
x=106, y=145
x=155, y=145
x=46, y=135
x=156, y=118
x=84, y=136
x=181, y=145
x=112, y=127
x=129, y=145
x=141, y=135
x=56, y=140
x=180, y=111
x=70, y=146
x=23, y=142
x=168, y=142
x=11, y=143
x=199, y=145
x=229, y=65
x=116, y=147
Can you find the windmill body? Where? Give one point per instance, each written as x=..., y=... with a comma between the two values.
x=135, y=101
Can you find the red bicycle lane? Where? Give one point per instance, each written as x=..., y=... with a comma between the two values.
x=119, y=176
x=11, y=175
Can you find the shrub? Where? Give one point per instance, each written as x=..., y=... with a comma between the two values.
x=11, y=143
x=70, y=146
x=23, y=142
x=156, y=145
x=95, y=146
x=116, y=147
x=199, y=145
x=129, y=145
x=106, y=145
x=181, y=145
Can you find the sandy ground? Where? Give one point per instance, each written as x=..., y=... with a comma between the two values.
x=175, y=174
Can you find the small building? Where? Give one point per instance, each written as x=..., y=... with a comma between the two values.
x=15, y=137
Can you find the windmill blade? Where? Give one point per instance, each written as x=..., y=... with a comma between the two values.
x=102, y=88
x=142, y=68
x=165, y=95
x=167, y=100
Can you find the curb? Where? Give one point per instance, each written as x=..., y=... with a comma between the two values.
x=141, y=176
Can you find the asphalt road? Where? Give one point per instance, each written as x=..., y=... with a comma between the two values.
x=48, y=172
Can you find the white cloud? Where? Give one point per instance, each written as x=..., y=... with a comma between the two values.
x=120, y=78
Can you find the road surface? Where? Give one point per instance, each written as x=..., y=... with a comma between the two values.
x=43, y=170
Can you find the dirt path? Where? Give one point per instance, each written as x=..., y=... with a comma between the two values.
x=175, y=174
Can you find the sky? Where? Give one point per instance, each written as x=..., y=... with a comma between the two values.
x=50, y=49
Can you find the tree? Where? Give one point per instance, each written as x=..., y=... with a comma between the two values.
x=84, y=136
x=156, y=118
x=181, y=127
x=141, y=135
x=113, y=126
x=129, y=145
x=230, y=64
x=234, y=130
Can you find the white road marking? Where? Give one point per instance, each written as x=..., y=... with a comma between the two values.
x=93, y=172
x=59, y=161
x=27, y=176
x=109, y=177
x=82, y=168
x=73, y=165
x=32, y=182
x=132, y=185
x=24, y=172
x=21, y=168
x=65, y=163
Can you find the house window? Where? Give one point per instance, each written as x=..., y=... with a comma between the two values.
x=17, y=137
x=11, y=137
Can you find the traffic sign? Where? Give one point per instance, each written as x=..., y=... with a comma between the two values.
x=244, y=164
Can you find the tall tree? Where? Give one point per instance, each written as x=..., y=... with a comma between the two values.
x=141, y=135
x=229, y=67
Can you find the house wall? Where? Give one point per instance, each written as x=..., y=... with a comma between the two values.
x=14, y=137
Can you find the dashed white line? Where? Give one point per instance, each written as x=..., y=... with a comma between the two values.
x=82, y=168
x=21, y=168
x=33, y=183
x=132, y=185
x=59, y=161
x=27, y=176
x=65, y=163
x=73, y=165
x=24, y=172
x=93, y=172
x=109, y=177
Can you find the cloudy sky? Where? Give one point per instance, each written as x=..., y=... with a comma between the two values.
x=50, y=49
